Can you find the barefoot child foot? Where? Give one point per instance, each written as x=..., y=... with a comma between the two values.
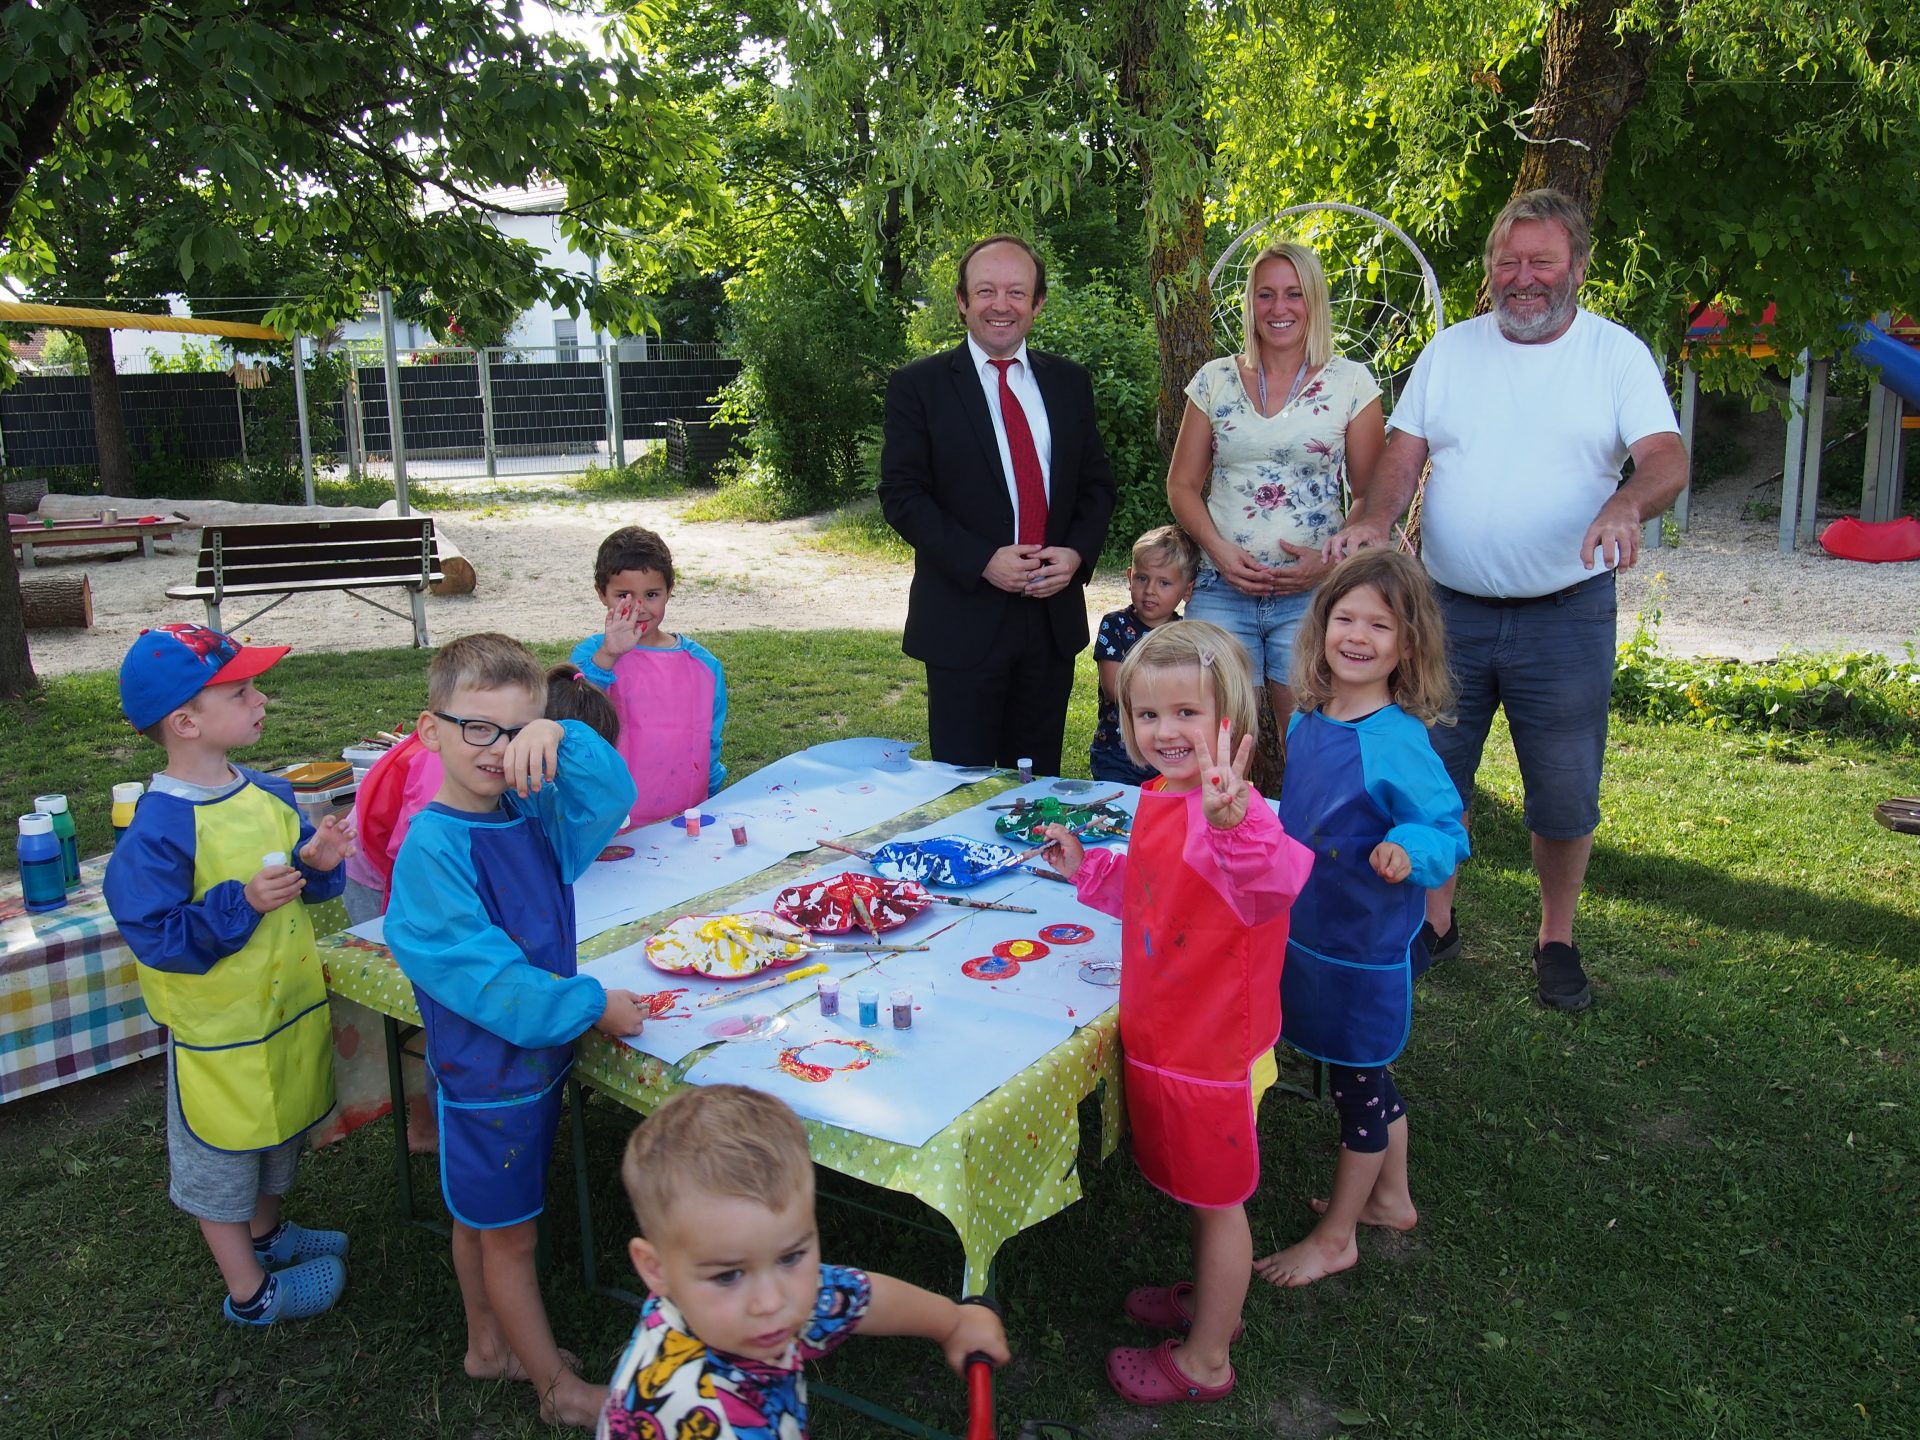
x=1381, y=1213
x=503, y=1364
x=1308, y=1260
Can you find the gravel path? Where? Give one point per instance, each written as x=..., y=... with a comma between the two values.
x=1726, y=590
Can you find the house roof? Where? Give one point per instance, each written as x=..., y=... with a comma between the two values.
x=547, y=197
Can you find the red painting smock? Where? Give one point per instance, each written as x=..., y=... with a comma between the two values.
x=1203, y=926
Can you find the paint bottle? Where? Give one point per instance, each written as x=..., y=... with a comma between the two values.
x=56, y=806
x=43, y=879
x=1026, y=770
x=902, y=1002
x=829, y=997
x=126, y=796
x=272, y=858
x=869, y=1008
x=739, y=829
x=692, y=817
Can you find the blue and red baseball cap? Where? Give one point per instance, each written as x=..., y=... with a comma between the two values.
x=170, y=664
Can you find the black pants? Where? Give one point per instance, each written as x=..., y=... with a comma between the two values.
x=1012, y=706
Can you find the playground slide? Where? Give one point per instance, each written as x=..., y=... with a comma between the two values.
x=1898, y=364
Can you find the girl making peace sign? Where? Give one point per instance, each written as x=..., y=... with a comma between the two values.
x=1202, y=895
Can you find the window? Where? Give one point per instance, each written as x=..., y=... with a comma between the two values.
x=566, y=338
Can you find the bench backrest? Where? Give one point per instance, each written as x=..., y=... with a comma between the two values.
x=305, y=552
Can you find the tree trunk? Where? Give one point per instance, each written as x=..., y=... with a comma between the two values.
x=56, y=602
x=1591, y=77
x=109, y=424
x=1159, y=83
x=16, y=665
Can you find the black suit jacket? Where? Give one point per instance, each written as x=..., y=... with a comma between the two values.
x=943, y=489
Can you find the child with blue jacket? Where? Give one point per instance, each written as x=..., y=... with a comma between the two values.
x=203, y=886
x=481, y=920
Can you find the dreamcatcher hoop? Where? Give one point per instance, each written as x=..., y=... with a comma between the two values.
x=1384, y=295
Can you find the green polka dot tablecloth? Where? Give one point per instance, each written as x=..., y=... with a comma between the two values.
x=1005, y=1164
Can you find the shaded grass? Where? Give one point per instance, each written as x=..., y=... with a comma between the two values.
x=1690, y=1212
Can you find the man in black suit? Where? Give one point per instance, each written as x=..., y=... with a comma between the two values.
x=993, y=470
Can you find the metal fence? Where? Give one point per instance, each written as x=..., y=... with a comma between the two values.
x=505, y=412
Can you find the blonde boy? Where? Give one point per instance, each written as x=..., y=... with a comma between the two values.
x=481, y=921
x=202, y=887
x=1159, y=581
x=722, y=1187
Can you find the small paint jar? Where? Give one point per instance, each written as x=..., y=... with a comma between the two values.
x=126, y=796
x=692, y=817
x=829, y=997
x=739, y=823
x=869, y=1008
x=1026, y=770
x=273, y=858
x=43, y=879
x=63, y=831
x=902, y=1003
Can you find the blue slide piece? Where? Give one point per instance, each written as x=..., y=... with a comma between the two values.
x=1898, y=364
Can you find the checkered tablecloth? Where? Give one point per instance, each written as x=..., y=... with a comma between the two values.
x=70, y=1001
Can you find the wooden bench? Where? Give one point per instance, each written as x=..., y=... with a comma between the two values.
x=91, y=531
x=303, y=556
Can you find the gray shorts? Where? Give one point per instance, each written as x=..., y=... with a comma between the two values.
x=218, y=1185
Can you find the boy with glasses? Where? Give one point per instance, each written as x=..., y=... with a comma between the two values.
x=481, y=921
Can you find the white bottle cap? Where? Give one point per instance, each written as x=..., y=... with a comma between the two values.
x=274, y=857
x=50, y=804
x=692, y=812
x=128, y=791
x=38, y=823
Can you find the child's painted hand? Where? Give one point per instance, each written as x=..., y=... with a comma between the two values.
x=626, y=1014
x=1064, y=851
x=332, y=842
x=976, y=1331
x=624, y=628
x=1390, y=862
x=1223, y=780
x=533, y=756
x=273, y=887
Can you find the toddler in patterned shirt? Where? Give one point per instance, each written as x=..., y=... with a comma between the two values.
x=1159, y=581
x=739, y=1299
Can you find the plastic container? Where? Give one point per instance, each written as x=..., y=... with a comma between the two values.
x=273, y=859
x=901, y=1003
x=829, y=997
x=56, y=806
x=692, y=817
x=126, y=796
x=739, y=824
x=1026, y=770
x=362, y=758
x=320, y=788
x=869, y=1008
x=43, y=879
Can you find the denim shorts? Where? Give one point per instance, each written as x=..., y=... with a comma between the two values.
x=1264, y=625
x=1550, y=663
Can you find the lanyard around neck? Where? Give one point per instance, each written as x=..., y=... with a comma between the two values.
x=1293, y=391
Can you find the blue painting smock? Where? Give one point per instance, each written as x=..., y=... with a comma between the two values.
x=241, y=992
x=482, y=922
x=1346, y=995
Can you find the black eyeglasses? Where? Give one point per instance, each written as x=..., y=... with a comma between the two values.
x=480, y=733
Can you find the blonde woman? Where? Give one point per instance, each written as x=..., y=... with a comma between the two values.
x=1268, y=438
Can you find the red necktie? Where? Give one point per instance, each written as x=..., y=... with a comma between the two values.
x=1028, y=482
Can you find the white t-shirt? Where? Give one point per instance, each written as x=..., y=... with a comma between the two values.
x=1526, y=442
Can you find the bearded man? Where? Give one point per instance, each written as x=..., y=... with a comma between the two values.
x=1528, y=414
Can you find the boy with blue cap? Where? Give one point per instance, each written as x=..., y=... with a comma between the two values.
x=202, y=887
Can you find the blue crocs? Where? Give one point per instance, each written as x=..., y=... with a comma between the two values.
x=296, y=1293
x=294, y=1244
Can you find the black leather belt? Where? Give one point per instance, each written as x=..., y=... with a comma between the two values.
x=1509, y=602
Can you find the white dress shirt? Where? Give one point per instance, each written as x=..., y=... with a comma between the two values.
x=1020, y=380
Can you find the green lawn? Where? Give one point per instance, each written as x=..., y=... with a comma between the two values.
x=1690, y=1212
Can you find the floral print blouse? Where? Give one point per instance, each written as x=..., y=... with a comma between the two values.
x=1277, y=477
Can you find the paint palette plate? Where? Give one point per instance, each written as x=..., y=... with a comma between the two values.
x=1101, y=972
x=726, y=947
x=732, y=1029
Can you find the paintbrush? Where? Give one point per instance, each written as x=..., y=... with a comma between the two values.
x=1013, y=861
x=865, y=917
x=980, y=904
x=846, y=849
x=1021, y=804
x=802, y=973
x=833, y=947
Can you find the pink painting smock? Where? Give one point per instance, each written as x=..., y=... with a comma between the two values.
x=665, y=701
x=397, y=788
x=1203, y=927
